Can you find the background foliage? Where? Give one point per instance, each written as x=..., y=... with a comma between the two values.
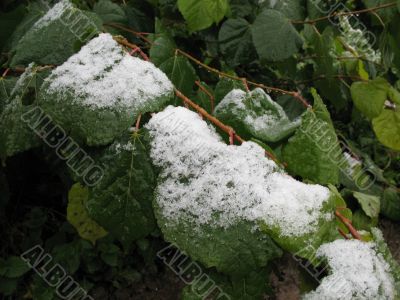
x=291, y=47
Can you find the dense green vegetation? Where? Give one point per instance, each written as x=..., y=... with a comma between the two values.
x=102, y=174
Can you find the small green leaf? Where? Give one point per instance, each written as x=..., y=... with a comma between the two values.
x=369, y=203
x=369, y=97
x=201, y=14
x=274, y=36
x=387, y=128
x=254, y=114
x=78, y=216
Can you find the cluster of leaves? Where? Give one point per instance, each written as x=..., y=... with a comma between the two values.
x=275, y=43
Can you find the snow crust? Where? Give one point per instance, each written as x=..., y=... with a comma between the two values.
x=357, y=272
x=103, y=75
x=208, y=182
x=53, y=13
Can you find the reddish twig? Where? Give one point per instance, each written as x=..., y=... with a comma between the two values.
x=138, y=34
x=244, y=80
x=343, y=234
x=211, y=96
x=5, y=72
x=348, y=224
x=135, y=48
x=138, y=122
x=295, y=95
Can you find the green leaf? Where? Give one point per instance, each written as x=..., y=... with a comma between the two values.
x=274, y=36
x=369, y=97
x=78, y=216
x=369, y=203
x=110, y=12
x=236, y=250
x=304, y=245
x=121, y=201
x=327, y=67
x=391, y=203
x=312, y=152
x=13, y=267
x=201, y=14
x=320, y=109
x=35, y=10
x=235, y=42
x=362, y=222
x=387, y=128
x=162, y=49
x=180, y=71
x=255, y=114
x=52, y=41
x=95, y=118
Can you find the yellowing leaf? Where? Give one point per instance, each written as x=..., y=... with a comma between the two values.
x=78, y=216
x=387, y=128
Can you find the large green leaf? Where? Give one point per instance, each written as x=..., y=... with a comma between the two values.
x=56, y=36
x=235, y=42
x=387, y=128
x=313, y=152
x=234, y=250
x=211, y=194
x=78, y=216
x=274, y=36
x=201, y=14
x=254, y=114
x=121, y=201
x=369, y=97
x=90, y=98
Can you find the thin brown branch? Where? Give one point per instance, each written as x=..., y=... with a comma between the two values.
x=207, y=92
x=348, y=224
x=296, y=95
